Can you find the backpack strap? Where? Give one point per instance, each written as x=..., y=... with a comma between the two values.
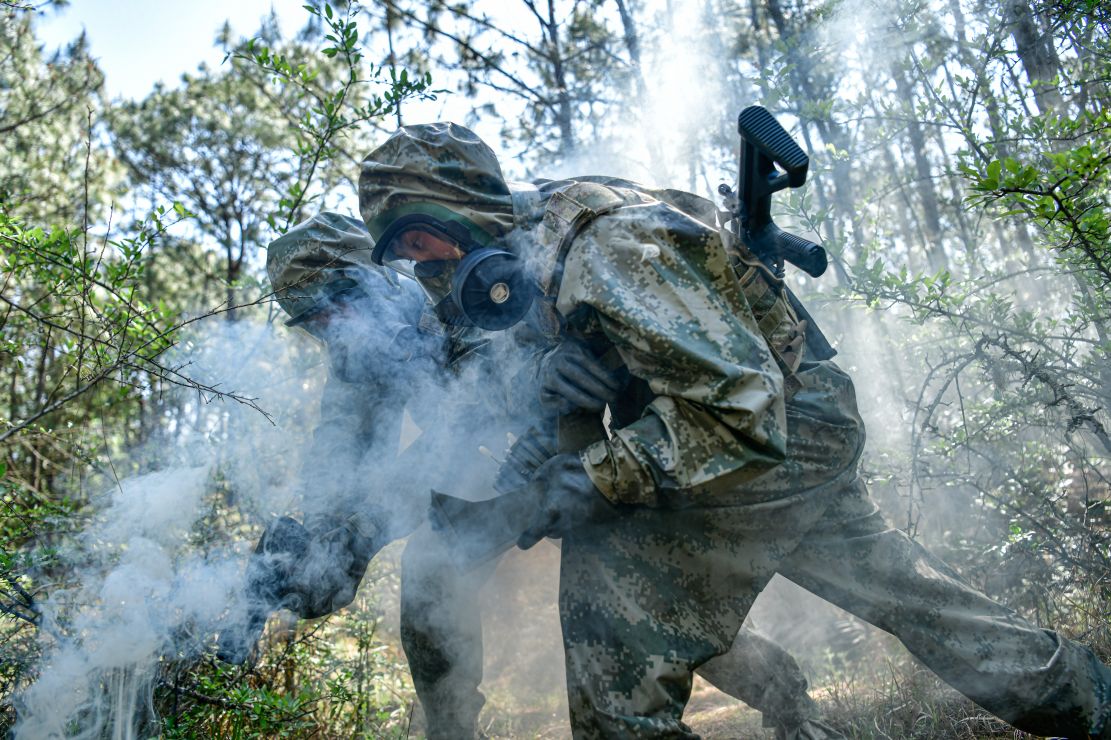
x=568, y=212
x=526, y=202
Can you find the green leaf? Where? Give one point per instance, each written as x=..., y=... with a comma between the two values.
x=995, y=168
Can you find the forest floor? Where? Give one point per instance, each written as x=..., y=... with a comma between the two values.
x=710, y=713
x=868, y=713
x=880, y=694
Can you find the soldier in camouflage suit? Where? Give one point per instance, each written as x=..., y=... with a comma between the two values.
x=379, y=356
x=732, y=454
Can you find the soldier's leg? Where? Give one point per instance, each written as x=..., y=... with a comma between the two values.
x=763, y=675
x=441, y=632
x=1030, y=677
x=648, y=598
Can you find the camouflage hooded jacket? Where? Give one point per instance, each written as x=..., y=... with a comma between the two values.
x=639, y=275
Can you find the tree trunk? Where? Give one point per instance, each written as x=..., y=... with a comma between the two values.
x=831, y=132
x=231, y=274
x=905, y=230
x=632, y=44
x=927, y=194
x=393, y=56
x=831, y=224
x=564, y=112
x=1037, y=54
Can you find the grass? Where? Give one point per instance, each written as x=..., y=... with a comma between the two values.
x=905, y=702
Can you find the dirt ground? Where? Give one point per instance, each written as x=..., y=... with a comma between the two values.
x=710, y=713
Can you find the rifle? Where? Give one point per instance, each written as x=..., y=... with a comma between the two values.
x=765, y=144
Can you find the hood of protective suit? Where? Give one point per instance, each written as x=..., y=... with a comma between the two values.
x=439, y=169
x=326, y=253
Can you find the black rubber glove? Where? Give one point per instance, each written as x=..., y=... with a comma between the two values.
x=567, y=500
x=311, y=572
x=571, y=379
x=327, y=577
x=528, y=453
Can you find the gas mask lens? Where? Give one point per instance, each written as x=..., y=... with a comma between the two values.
x=421, y=243
x=319, y=320
x=427, y=254
x=484, y=287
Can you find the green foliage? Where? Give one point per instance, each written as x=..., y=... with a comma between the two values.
x=955, y=187
x=1065, y=192
x=47, y=105
x=82, y=303
x=90, y=303
x=334, y=678
x=330, y=100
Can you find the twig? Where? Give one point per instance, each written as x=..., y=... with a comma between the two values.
x=55, y=406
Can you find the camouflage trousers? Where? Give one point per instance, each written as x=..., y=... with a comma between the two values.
x=646, y=602
x=653, y=596
x=647, y=599
x=442, y=635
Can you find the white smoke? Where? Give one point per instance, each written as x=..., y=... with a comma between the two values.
x=155, y=578
x=143, y=590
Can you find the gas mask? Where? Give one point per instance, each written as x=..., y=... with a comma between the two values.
x=368, y=340
x=470, y=284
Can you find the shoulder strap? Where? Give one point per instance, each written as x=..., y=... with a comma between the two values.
x=568, y=212
x=526, y=202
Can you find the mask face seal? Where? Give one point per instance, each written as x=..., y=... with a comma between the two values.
x=336, y=294
x=491, y=289
x=469, y=283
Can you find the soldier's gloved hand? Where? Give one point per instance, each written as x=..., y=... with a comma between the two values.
x=572, y=379
x=327, y=577
x=568, y=499
x=531, y=450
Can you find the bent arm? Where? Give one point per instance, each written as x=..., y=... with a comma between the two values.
x=665, y=295
x=360, y=424
x=355, y=421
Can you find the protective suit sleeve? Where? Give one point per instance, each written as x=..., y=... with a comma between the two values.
x=354, y=419
x=363, y=419
x=664, y=293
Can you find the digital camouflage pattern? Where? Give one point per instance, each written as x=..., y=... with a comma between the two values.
x=316, y=253
x=440, y=625
x=651, y=597
x=442, y=634
x=461, y=181
x=718, y=416
x=733, y=480
x=763, y=675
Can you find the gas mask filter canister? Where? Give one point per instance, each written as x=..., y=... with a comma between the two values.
x=491, y=289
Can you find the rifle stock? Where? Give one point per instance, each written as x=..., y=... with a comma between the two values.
x=764, y=145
